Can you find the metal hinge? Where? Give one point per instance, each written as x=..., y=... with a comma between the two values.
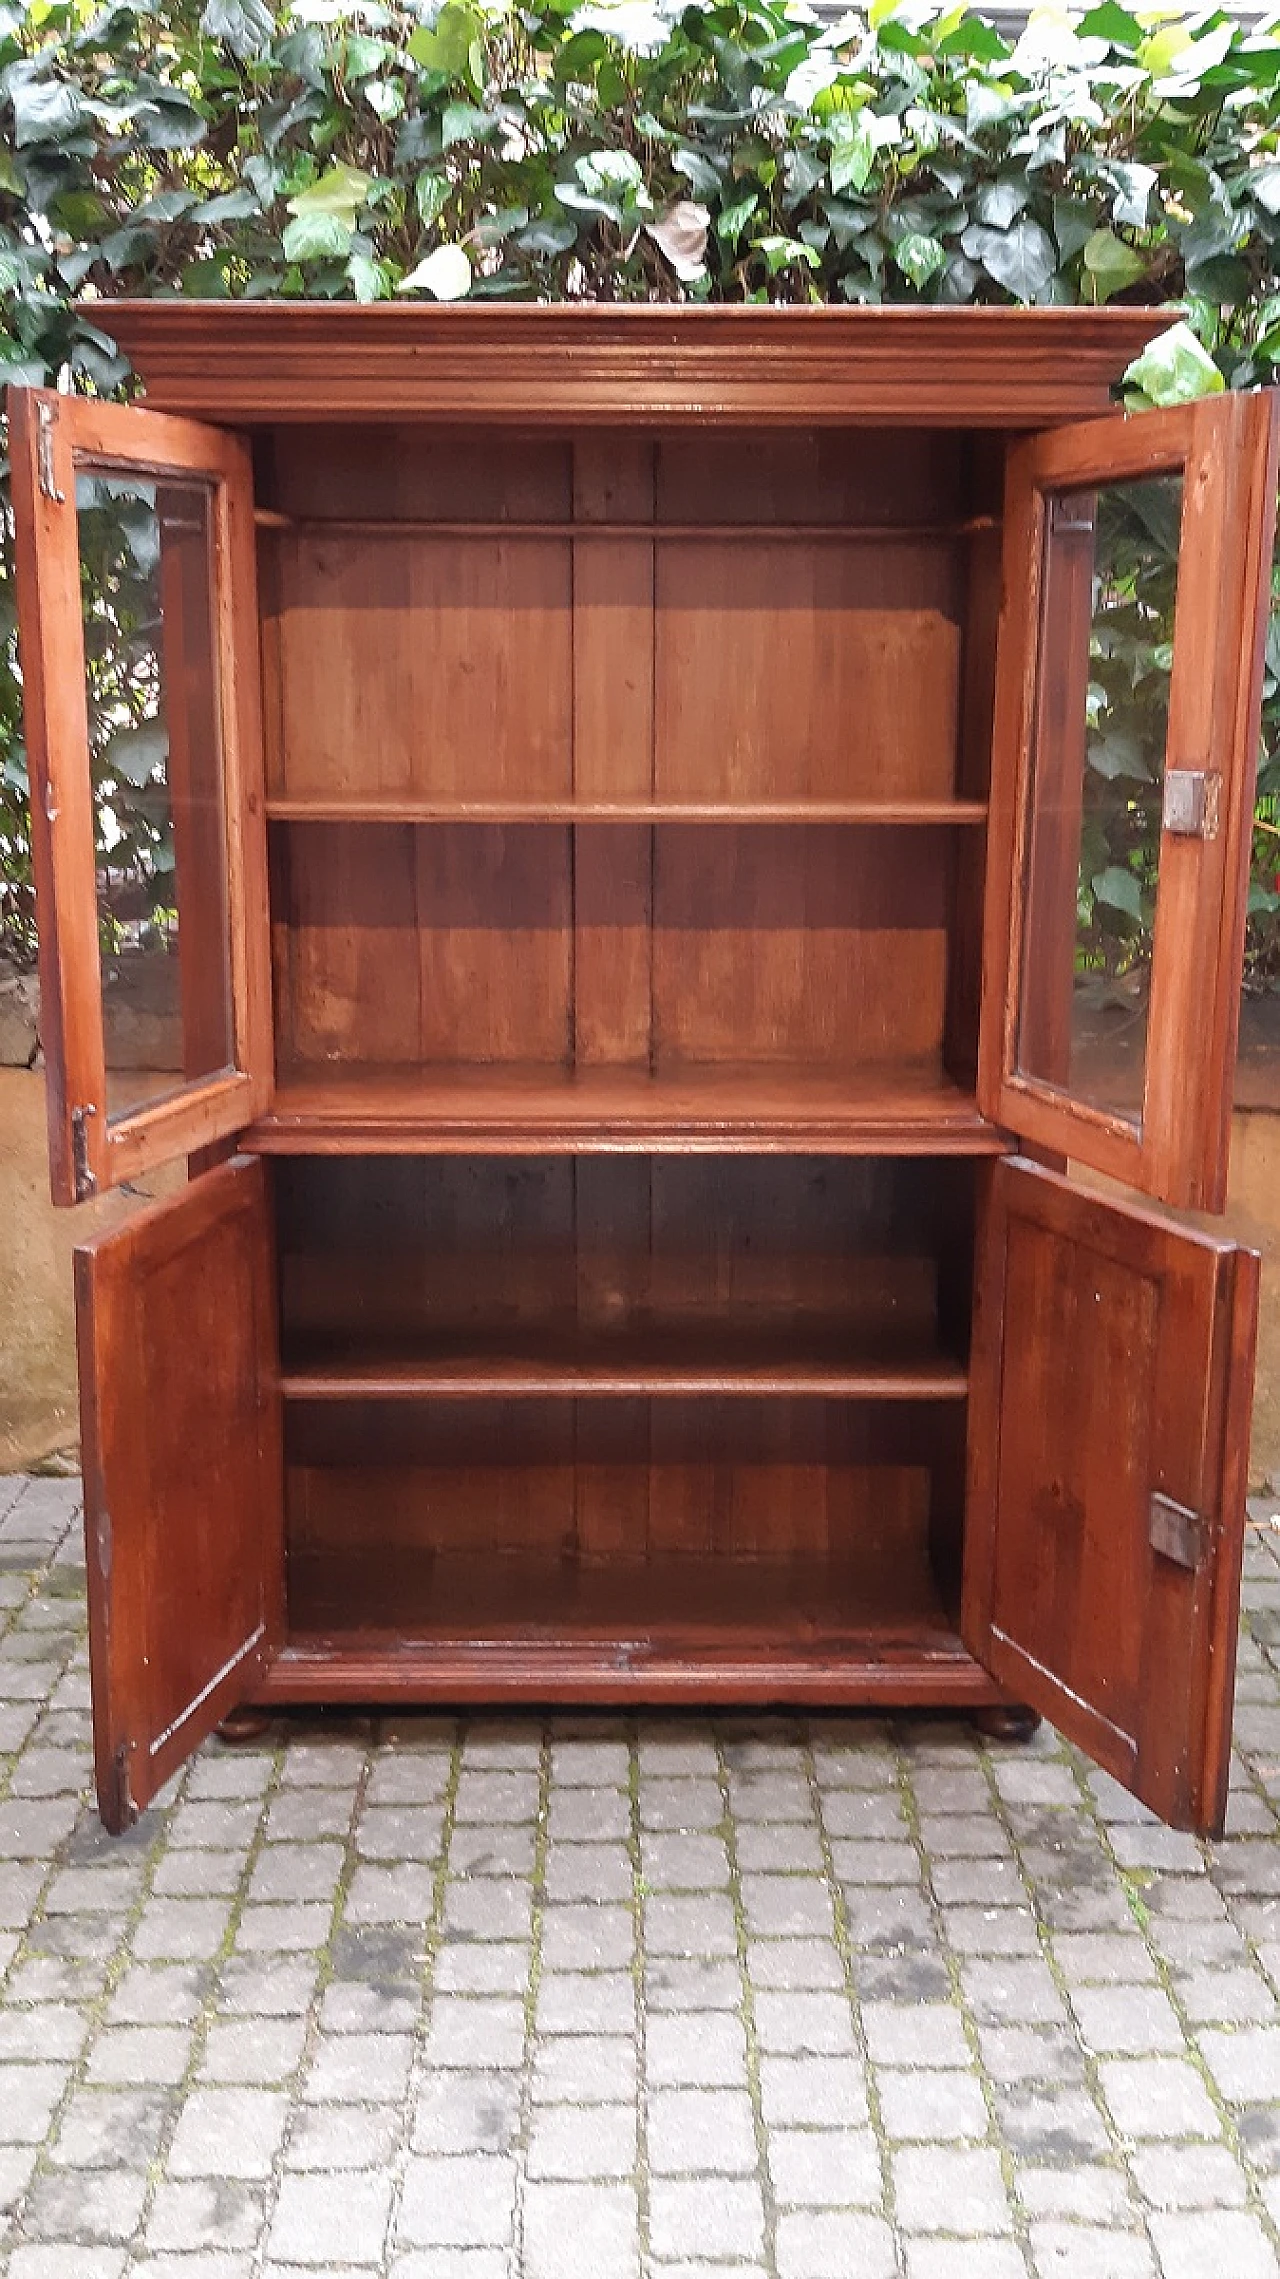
x=1176, y=1532
x=83, y=1178
x=121, y=1811
x=1192, y=802
x=44, y=453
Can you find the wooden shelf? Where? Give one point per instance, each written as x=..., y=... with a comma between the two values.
x=663, y=1362
x=698, y=533
x=357, y=1109
x=457, y=1626
x=323, y=807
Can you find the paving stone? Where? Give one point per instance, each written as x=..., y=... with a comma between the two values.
x=700, y=2052
x=925, y=2034
x=677, y=1982
x=66, y=2205
x=804, y=2024
x=826, y=2092
x=566, y=2145
x=713, y=2216
x=322, y=2219
x=204, y=2213
x=1189, y=2176
x=825, y=2168
x=1189, y=2245
x=575, y=2069
x=475, y=2032
x=588, y=1938
x=708, y=2131
x=573, y=2002
x=458, y=2200
x=1130, y=2019
x=342, y=2136
x=1089, y=2251
x=940, y=2105
x=1158, y=2097
x=819, y=2244
x=508, y=1849
x=229, y=2132
x=63, y=2262
x=1245, y=2063
x=1091, y=2192
x=957, y=2259
x=580, y=2231
x=360, y=2069
x=467, y=2112
x=940, y=2188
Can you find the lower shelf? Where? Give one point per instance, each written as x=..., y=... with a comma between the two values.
x=353, y=1109
x=683, y=1630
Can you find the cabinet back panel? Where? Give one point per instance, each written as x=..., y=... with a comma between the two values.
x=389, y=1248
x=626, y=1481
x=481, y=666
x=684, y=945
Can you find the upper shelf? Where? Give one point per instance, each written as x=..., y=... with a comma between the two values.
x=388, y=807
x=652, y=531
x=360, y=1109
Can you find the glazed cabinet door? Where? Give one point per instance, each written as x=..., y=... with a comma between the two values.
x=138, y=627
x=180, y=1421
x=1111, y=1383
x=1136, y=585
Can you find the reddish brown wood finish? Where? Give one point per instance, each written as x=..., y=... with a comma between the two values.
x=1112, y=1362
x=79, y=432
x=628, y=682
x=180, y=1417
x=1226, y=450
x=253, y=362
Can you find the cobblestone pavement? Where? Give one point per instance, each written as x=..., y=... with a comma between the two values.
x=811, y=1998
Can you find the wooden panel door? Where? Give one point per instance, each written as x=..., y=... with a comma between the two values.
x=180, y=1420
x=1112, y=1377
x=138, y=620
x=1136, y=584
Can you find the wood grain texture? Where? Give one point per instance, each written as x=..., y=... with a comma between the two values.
x=517, y=366
x=180, y=1414
x=1226, y=450
x=84, y=432
x=1111, y=1362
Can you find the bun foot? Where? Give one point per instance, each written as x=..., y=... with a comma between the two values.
x=1007, y=1721
x=241, y=1725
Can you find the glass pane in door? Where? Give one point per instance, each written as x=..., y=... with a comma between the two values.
x=149, y=602
x=1108, y=594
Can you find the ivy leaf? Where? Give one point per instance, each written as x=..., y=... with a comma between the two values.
x=1072, y=225
x=784, y=252
x=446, y=274
x=446, y=45
x=1110, y=265
x=1119, y=889
x=1174, y=369
x=1264, y=186
x=919, y=257
x=464, y=122
x=316, y=236
x=137, y=754
x=853, y=151
x=1022, y=259
x=732, y=220
x=247, y=27
x=1112, y=23
x=681, y=235
x=698, y=172
x=430, y=196
x=338, y=196
x=1000, y=203
x=44, y=110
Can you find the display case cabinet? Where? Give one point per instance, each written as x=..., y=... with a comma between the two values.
x=633, y=847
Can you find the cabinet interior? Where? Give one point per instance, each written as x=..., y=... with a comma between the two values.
x=627, y=800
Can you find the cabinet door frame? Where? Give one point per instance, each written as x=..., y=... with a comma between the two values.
x=1225, y=448
x=181, y=1420
x=50, y=435
x=1083, y=1566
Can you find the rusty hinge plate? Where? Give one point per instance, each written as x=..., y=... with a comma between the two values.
x=44, y=454
x=1192, y=803
x=82, y=1173
x=1176, y=1532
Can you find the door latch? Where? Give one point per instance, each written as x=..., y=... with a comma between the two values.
x=1176, y=1532
x=1192, y=803
x=83, y=1178
x=44, y=454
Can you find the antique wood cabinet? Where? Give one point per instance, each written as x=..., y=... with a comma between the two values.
x=655, y=837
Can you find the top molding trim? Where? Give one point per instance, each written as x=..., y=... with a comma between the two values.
x=246, y=363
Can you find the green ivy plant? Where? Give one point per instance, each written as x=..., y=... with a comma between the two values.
x=629, y=150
